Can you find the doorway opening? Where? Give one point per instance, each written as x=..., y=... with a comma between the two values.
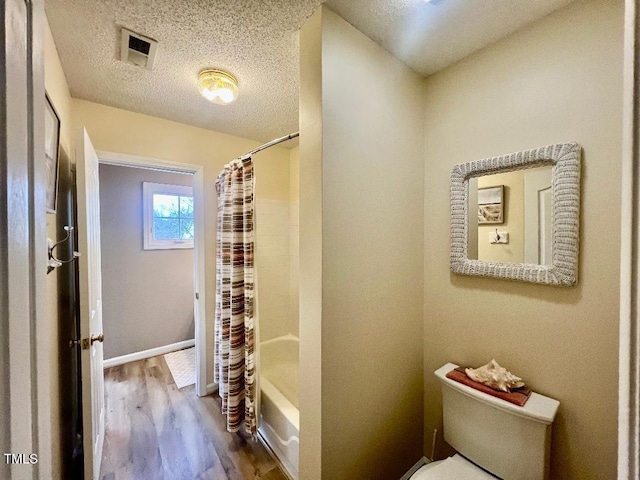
x=196, y=174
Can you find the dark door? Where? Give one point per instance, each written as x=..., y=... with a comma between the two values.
x=69, y=376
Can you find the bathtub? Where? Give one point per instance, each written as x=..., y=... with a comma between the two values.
x=279, y=415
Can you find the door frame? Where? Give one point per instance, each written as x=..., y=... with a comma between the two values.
x=125, y=160
x=536, y=180
x=26, y=334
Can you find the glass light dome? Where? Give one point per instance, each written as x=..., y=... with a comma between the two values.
x=218, y=86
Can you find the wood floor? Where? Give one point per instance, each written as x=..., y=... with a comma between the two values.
x=155, y=431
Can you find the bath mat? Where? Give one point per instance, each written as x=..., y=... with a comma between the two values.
x=182, y=365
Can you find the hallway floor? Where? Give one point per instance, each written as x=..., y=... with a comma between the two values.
x=155, y=431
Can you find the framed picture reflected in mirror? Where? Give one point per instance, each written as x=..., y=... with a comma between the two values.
x=491, y=205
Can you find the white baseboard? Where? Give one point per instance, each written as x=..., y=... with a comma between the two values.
x=414, y=469
x=152, y=352
x=212, y=387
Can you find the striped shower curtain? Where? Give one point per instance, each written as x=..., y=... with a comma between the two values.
x=235, y=335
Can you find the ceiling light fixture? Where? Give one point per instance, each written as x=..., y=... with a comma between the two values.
x=218, y=86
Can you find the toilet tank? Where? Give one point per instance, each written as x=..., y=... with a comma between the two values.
x=509, y=441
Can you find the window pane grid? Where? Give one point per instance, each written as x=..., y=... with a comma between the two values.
x=168, y=216
x=186, y=206
x=172, y=217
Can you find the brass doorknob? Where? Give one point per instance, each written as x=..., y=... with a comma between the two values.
x=97, y=338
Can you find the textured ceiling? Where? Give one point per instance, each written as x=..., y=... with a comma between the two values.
x=256, y=41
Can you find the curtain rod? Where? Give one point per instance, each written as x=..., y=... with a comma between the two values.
x=271, y=143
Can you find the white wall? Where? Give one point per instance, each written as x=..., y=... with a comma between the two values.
x=557, y=80
x=369, y=245
x=147, y=295
x=272, y=262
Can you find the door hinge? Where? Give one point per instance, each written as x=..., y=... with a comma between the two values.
x=197, y=296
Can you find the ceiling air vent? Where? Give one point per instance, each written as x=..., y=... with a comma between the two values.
x=138, y=49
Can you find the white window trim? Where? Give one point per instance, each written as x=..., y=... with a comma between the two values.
x=148, y=190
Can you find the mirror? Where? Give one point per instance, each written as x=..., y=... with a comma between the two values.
x=516, y=216
x=513, y=221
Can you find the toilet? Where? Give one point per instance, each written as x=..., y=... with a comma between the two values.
x=493, y=438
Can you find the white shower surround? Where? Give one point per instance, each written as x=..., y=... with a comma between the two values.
x=279, y=416
x=277, y=250
x=277, y=264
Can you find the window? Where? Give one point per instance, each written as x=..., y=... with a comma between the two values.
x=168, y=216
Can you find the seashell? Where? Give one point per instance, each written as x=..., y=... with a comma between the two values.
x=494, y=376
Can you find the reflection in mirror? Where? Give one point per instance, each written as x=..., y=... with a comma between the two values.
x=517, y=216
x=538, y=226
x=513, y=223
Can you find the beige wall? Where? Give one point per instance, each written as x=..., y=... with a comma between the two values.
x=294, y=239
x=557, y=80
x=513, y=214
x=120, y=131
x=310, y=279
x=147, y=295
x=58, y=91
x=294, y=174
x=371, y=253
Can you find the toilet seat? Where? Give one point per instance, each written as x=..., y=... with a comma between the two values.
x=453, y=468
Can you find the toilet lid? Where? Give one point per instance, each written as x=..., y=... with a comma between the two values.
x=453, y=468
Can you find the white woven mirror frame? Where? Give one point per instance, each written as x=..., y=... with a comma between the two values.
x=563, y=271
